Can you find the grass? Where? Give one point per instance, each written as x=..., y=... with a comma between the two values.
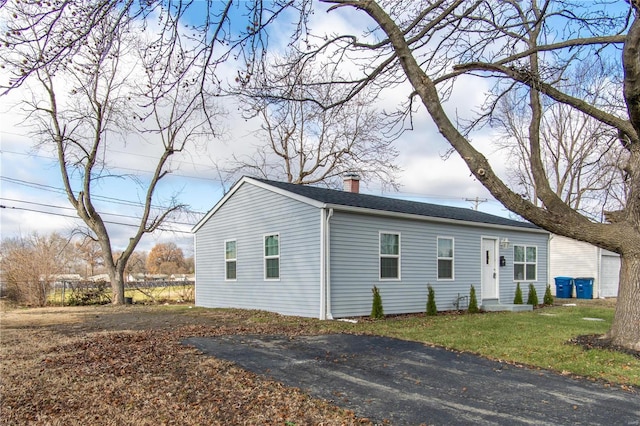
x=539, y=338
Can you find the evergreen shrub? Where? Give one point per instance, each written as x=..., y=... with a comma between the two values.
x=517, y=300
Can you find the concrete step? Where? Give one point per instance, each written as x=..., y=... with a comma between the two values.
x=499, y=307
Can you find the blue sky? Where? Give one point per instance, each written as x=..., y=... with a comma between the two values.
x=33, y=200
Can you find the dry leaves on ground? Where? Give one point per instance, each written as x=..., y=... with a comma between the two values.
x=127, y=366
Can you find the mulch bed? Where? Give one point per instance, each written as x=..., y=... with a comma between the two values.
x=599, y=341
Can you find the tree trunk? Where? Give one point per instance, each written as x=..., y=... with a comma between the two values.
x=625, y=329
x=117, y=287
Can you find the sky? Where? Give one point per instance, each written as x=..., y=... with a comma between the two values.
x=33, y=200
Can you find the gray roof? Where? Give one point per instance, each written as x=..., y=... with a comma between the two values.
x=374, y=202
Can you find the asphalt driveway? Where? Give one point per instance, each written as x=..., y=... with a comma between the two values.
x=409, y=383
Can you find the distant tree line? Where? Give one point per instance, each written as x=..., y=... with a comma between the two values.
x=31, y=265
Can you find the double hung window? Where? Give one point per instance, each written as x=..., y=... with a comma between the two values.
x=445, y=258
x=525, y=263
x=272, y=257
x=389, y=256
x=230, y=260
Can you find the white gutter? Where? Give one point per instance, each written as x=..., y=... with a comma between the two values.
x=325, y=265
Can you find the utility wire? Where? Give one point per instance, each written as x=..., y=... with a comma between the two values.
x=41, y=186
x=102, y=213
x=174, y=173
x=2, y=206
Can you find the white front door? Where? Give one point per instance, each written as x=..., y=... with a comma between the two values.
x=489, y=269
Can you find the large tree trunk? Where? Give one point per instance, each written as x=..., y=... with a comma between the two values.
x=625, y=329
x=117, y=289
x=621, y=236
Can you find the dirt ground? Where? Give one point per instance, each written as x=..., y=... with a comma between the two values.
x=125, y=365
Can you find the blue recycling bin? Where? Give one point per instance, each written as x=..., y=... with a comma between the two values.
x=584, y=288
x=564, y=287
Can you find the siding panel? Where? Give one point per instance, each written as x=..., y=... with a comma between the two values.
x=247, y=216
x=355, y=263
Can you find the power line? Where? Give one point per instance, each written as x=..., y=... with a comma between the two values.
x=101, y=213
x=476, y=201
x=131, y=169
x=2, y=206
x=41, y=186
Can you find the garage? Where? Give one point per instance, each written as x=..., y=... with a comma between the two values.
x=609, y=274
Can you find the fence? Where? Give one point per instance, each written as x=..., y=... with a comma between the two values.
x=93, y=293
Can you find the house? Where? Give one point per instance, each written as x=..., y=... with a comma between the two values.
x=316, y=252
x=577, y=259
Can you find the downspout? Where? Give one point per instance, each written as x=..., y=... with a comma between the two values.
x=323, y=263
x=325, y=281
x=195, y=268
x=596, y=279
x=548, y=283
x=329, y=315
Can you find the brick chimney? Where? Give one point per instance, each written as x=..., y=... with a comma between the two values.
x=351, y=183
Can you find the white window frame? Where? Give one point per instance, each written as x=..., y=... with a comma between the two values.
x=389, y=256
x=452, y=258
x=264, y=249
x=229, y=260
x=525, y=263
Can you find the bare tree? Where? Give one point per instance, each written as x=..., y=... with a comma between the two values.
x=115, y=86
x=582, y=157
x=137, y=263
x=91, y=253
x=514, y=44
x=305, y=143
x=30, y=266
x=79, y=55
x=429, y=47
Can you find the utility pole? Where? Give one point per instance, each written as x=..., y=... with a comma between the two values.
x=476, y=201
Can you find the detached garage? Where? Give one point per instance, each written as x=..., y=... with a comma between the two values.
x=572, y=258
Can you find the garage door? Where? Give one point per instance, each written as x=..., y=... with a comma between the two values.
x=609, y=276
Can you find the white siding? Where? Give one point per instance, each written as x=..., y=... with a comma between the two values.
x=247, y=216
x=576, y=259
x=571, y=258
x=609, y=275
x=354, y=263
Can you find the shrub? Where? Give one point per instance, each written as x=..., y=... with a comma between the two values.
x=89, y=293
x=473, y=301
x=432, y=309
x=548, y=298
x=517, y=300
x=532, y=299
x=376, y=310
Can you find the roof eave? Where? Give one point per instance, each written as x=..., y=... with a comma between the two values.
x=376, y=212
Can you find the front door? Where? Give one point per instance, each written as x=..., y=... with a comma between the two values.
x=489, y=269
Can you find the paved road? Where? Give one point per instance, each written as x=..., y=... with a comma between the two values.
x=409, y=383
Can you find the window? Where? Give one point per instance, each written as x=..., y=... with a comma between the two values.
x=445, y=258
x=230, y=259
x=271, y=257
x=389, y=256
x=525, y=263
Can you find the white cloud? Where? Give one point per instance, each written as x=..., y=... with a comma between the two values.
x=426, y=175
